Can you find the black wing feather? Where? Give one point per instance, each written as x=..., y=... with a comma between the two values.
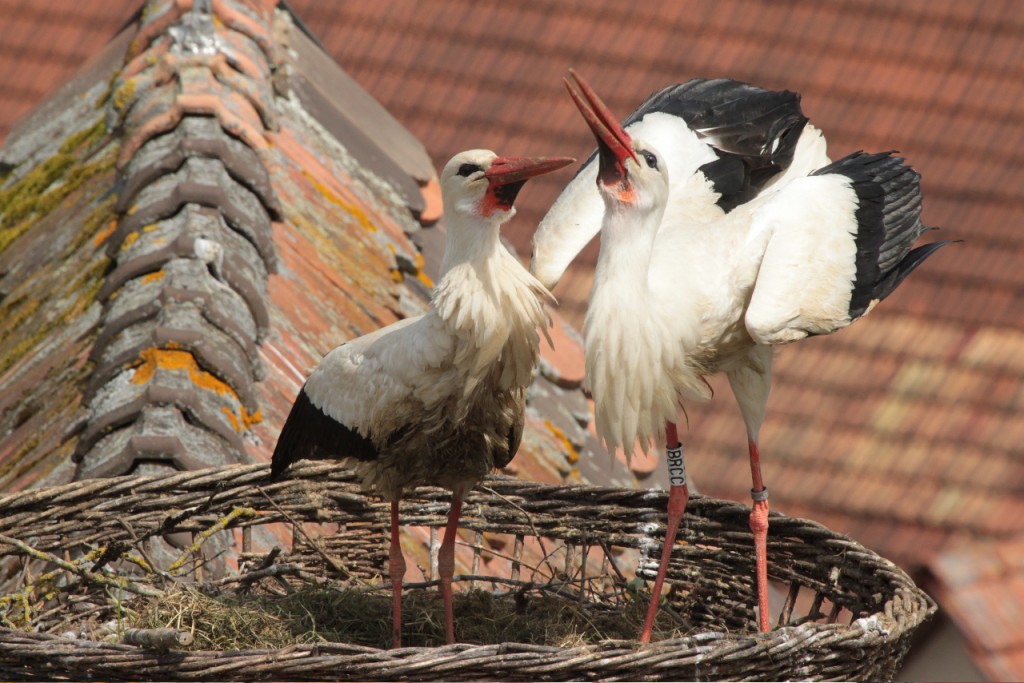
x=888, y=222
x=754, y=131
x=311, y=433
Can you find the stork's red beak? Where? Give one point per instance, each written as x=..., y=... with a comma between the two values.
x=613, y=143
x=507, y=175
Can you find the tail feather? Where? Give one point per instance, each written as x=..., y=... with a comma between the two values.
x=912, y=260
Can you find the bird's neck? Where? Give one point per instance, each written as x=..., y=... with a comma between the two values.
x=491, y=305
x=472, y=241
x=627, y=245
x=631, y=351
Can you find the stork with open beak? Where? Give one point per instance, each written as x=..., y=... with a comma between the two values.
x=437, y=399
x=725, y=230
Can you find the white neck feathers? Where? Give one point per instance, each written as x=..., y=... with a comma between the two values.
x=493, y=308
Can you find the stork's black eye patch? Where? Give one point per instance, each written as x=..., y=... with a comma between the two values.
x=652, y=161
x=467, y=170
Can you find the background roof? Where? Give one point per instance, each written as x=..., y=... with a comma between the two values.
x=903, y=430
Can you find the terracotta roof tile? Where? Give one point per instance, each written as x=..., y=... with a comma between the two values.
x=981, y=584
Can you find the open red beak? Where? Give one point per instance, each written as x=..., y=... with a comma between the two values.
x=507, y=175
x=613, y=142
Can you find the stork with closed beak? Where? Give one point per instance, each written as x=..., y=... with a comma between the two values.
x=725, y=230
x=437, y=399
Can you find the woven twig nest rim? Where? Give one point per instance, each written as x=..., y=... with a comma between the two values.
x=883, y=605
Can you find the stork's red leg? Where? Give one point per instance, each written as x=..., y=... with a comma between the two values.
x=446, y=564
x=759, y=526
x=396, y=570
x=678, y=495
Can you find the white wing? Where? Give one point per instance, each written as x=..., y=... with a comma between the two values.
x=834, y=244
x=381, y=381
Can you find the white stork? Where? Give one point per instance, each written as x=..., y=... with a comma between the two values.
x=436, y=399
x=725, y=230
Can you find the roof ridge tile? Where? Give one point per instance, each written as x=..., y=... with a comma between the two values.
x=186, y=301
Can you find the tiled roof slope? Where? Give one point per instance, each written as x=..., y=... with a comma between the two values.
x=982, y=587
x=900, y=430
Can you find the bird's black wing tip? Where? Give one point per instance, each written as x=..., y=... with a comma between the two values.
x=311, y=433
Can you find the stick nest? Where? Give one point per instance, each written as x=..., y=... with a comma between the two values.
x=252, y=580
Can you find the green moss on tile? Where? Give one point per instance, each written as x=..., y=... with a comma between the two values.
x=52, y=180
x=124, y=95
x=39, y=192
x=85, y=289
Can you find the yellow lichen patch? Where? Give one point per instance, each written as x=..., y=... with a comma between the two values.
x=571, y=454
x=45, y=186
x=153, y=277
x=129, y=240
x=348, y=207
x=124, y=95
x=421, y=274
x=245, y=420
x=104, y=234
x=79, y=139
x=396, y=276
x=174, y=358
x=250, y=419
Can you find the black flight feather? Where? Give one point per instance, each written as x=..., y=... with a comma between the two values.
x=311, y=433
x=888, y=222
x=753, y=131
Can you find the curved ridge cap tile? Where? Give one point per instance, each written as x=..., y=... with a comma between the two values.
x=195, y=137
x=161, y=433
x=249, y=219
x=152, y=263
x=214, y=351
x=160, y=390
x=160, y=16
x=199, y=105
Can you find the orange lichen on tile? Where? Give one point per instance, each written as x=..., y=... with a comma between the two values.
x=348, y=207
x=154, y=276
x=243, y=422
x=104, y=234
x=153, y=359
x=421, y=273
x=326, y=183
x=571, y=454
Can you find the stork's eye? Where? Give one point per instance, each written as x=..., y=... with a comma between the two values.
x=467, y=170
x=652, y=161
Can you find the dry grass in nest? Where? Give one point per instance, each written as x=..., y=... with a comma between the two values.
x=323, y=614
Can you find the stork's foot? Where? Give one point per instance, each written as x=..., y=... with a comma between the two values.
x=759, y=527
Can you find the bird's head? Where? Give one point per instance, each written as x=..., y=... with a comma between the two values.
x=479, y=184
x=631, y=173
